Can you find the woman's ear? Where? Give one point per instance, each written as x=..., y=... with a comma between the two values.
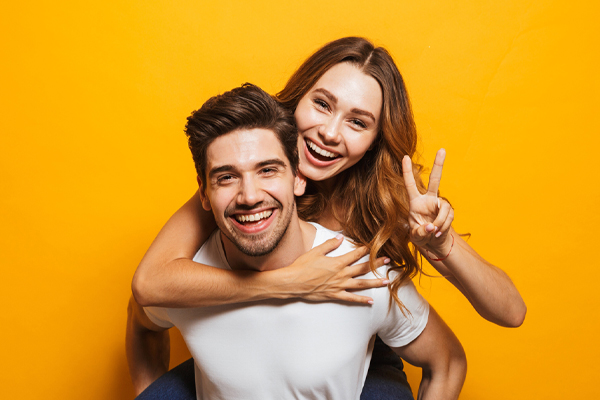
x=203, y=196
x=299, y=184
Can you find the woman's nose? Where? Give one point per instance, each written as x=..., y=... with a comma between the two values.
x=330, y=131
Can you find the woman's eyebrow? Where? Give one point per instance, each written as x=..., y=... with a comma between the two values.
x=363, y=112
x=327, y=94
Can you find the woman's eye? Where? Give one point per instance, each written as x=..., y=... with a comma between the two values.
x=359, y=123
x=321, y=104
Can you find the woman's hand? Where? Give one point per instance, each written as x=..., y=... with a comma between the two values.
x=316, y=277
x=429, y=216
x=487, y=287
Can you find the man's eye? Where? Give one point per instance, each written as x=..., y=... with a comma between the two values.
x=268, y=171
x=224, y=178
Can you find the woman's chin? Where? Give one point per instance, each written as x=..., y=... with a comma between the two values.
x=315, y=174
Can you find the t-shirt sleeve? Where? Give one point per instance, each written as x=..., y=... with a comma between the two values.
x=397, y=329
x=160, y=316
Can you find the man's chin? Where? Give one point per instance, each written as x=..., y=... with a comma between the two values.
x=255, y=245
x=252, y=246
x=253, y=251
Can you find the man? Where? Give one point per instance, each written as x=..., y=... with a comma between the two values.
x=245, y=149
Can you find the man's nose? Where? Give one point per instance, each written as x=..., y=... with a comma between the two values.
x=330, y=130
x=250, y=192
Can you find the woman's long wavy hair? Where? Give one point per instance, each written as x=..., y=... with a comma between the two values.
x=369, y=199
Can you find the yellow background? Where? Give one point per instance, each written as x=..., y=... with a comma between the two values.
x=93, y=160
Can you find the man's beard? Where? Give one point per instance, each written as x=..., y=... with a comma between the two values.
x=263, y=243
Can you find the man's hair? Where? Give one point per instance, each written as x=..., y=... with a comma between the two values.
x=245, y=107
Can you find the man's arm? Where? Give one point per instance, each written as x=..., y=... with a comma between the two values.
x=147, y=346
x=441, y=356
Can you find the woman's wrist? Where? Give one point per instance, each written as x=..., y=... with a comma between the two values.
x=443, y=254
x=442, y=251
x=275, y=284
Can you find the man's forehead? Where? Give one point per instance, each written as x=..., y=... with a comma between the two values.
x=244, y=148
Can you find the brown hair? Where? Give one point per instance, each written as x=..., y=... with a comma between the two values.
x=369, y=199
x=245, y=107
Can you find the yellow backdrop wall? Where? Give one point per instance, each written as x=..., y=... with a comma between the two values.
x=93, y=161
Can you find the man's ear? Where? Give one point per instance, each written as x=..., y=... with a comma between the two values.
x=299, y=184
x=203, y=196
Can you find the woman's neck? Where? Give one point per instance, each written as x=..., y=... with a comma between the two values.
x=327, y=218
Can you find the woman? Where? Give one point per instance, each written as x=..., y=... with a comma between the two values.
x=357, y=136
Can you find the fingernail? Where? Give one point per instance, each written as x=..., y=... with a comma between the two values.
x=339, y=236
x=386, y=261
x=370, y=302
x=385, y=282
x=429, y=228
x=436, y=228
x=438, y=234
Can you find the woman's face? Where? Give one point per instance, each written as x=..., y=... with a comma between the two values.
x=338, y=120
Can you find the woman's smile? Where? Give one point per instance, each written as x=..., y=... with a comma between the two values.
x=318, y=155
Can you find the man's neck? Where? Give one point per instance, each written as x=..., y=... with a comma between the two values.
x=297, y=240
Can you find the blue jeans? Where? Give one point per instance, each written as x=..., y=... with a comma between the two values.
x=385, y=380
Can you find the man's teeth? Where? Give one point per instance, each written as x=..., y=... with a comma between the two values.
x=253, y=217
x=319, y=150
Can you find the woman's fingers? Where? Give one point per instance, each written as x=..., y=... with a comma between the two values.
x=443, y=213
x=423, y=233
x=364, y=268
x=447, y=223
x=409, y=178
x=362, y=284
x=328, y=246
x=352, y=271
x=436, y=173
x=353, y=298
x=353, y=256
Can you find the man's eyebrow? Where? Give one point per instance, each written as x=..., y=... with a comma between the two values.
x=222, y=168
x=273, y=161
x=334, y=100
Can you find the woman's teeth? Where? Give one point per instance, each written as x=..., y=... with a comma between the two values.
x=253, y=217
x=319, y=150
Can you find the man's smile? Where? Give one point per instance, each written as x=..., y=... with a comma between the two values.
x=253, y=217
x=253, y=221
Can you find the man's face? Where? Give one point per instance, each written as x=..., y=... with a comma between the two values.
x=250, y=188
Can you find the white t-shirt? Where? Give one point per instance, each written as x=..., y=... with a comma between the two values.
x=289, y=349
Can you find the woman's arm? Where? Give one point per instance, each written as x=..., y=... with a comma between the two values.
x=167, y=276
x=488, y=288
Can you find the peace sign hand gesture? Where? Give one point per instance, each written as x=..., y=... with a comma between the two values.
x=429, y=217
